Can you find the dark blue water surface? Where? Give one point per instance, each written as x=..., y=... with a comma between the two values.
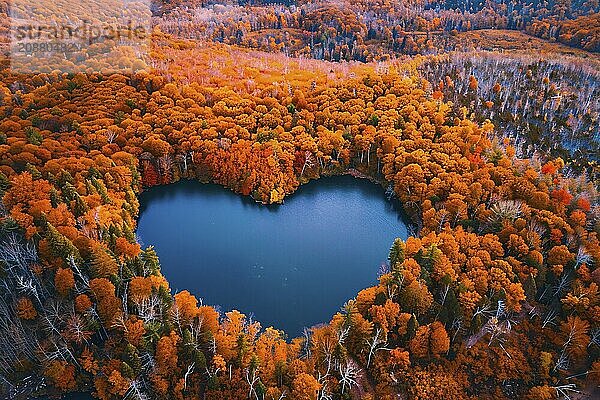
x=289, y=266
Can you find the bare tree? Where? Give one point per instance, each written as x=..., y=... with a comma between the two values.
x=135, y=391
x=309, y=162
x=376, y=343
x=252, y=378
x=566, y=391
x=188, y=372
x=349, y=374
x=306, y=334
x=149, y=309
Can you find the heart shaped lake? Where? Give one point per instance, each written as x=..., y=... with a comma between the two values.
x=290, y=266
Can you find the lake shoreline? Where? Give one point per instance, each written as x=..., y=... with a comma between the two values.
x=331, y=228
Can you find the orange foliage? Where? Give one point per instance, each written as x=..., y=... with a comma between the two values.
x=61, y=374
x=64, y=281
x=25, y=308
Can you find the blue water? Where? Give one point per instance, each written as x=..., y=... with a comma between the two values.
x=289, y=266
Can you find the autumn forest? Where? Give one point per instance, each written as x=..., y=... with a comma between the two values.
x=482, y=118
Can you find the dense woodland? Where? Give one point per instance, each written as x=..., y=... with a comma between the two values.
x=374, y=30
x=367, y=31
x=493, y=296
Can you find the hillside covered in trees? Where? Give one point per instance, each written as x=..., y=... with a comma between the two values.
x=493, y=156
x=374, y=30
